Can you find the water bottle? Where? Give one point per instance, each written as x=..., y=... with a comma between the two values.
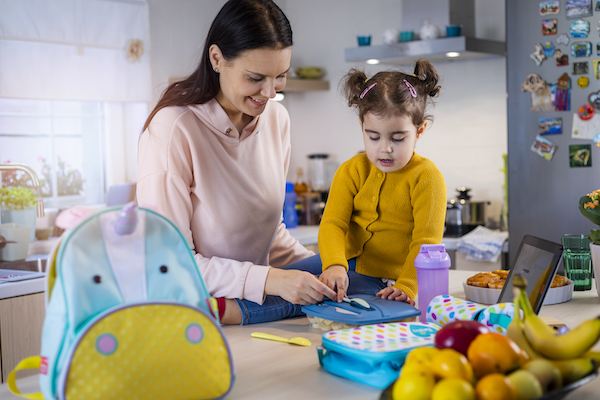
x=432, y=265
x=290, y=216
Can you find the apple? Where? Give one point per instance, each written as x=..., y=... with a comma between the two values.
x=458, y=335
x=527, y=385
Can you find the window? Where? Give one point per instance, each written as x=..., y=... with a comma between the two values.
x=62, y=141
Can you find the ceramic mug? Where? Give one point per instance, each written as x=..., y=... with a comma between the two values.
x=452, y=31
x=364, y=40
x=407, y=36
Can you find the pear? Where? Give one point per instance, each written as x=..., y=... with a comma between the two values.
x=546, y=373
x=528, y=387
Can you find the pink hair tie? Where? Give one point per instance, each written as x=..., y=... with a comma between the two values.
x=410, y=87
x=364, y=93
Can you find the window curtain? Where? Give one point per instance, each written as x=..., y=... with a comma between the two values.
x=74, y=50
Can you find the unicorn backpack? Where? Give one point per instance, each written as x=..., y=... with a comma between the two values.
x=128, y=315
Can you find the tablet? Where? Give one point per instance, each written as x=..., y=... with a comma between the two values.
x=537, y=260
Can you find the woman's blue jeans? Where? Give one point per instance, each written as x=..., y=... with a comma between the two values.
x=275, y=308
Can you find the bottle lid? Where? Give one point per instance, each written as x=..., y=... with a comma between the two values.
x=320, y=155
x=289, y=187
x=432, y=256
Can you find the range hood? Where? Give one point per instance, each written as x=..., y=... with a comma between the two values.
x=445, y=49
x=437, y=50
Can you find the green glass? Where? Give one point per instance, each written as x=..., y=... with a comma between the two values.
x=577, y=260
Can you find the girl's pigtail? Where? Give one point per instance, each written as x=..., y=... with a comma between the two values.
x=353, y=85
x=428, y=76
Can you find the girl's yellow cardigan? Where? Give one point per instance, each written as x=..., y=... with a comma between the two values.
x=382, y=219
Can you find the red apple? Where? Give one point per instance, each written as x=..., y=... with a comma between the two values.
x=458, y=335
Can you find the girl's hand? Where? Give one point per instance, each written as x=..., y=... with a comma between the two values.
x=393, y=293
x=297, y=287
x=335, y=276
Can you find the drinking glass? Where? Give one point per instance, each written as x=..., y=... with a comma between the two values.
x=577, y=260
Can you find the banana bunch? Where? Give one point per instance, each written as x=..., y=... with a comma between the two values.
x=569, y=353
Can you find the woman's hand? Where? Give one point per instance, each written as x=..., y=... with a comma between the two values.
x=297, y=287
x=393, y=293
x=335, y=276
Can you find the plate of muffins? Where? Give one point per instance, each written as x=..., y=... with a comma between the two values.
x=485, y=288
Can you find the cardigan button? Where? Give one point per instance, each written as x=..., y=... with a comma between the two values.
x=379, y=175
x=374, y=198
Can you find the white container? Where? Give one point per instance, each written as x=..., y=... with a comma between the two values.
x=26, y=216
x=490, y=296
x=18, y=233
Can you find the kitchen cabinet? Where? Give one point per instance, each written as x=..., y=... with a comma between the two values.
x=21, y=320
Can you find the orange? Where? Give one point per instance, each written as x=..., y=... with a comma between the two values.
x=492, y=352
x=495, y=387
x=449, y=363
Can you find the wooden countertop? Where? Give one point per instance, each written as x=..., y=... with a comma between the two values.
x=272, y=370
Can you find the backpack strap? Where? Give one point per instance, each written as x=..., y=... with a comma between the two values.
x=51, y=268
x=27, y=363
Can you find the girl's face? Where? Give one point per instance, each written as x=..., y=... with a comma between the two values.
x=251, y=79
x=390, y=141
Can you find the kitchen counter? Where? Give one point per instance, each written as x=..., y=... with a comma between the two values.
x=273, y=370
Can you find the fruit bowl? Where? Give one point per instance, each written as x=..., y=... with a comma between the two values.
x=554, y=395
x=490, y=296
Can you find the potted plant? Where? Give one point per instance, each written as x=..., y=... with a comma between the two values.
x=19, y=206
x=589, y=206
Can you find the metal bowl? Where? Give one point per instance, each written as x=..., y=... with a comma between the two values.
x=554, y=395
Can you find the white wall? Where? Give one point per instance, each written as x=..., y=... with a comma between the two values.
x=468, y=137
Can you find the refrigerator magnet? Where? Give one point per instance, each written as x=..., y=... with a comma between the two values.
x=548, y=49
x=549, y=27
x=581, y=49
x=543, y=147
x=596, y=140
x=583, y=82
x=580, y=68
x=580, y=155
x=594, y=99
x=561, y=59
x=579, y=28
x=538, y=54
x=549, y=7
x=597, y=8
x=563, y=38
x=562, y=97
x=549, y=126
x=541, y=97
x=586, y=112
x=596, y=64
x=578, y=8
x=585, y=130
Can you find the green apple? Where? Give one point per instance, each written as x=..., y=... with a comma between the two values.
x=546, y=373
x=528, y=387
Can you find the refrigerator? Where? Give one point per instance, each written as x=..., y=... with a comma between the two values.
x=547, y=176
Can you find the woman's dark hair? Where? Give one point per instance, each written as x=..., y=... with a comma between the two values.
x=391, y=95
x=241, y=25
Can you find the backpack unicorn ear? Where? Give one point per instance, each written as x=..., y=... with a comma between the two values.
x=127, y=219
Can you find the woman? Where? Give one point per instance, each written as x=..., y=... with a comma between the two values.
x=214, y=157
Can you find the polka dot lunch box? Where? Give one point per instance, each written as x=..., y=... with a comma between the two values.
x=373, y=354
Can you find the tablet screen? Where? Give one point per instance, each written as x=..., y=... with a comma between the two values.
x=537, y=261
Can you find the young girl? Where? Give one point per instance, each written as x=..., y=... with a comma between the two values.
x=385, y=203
